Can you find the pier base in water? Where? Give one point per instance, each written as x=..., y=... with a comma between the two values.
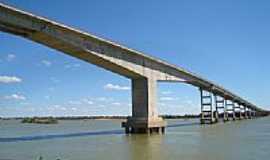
x=144, y=126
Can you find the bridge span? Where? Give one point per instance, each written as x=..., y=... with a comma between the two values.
x=144, y=71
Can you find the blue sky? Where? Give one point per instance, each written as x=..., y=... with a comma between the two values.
x=224, y=41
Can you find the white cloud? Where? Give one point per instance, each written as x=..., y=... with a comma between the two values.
x=24, y=103
x=15, y=97
x=10, y=79
x=87, y=101
x=101, y=105
x=90, y=102
x=189, y=102
x=71, y=66
x=104, y=99
x=101, y=99
x=116, y=87
x=116, y=104
x=162, y=104
x=74, y=102
x=47, y=97
x=10, y=57
x=168, y=98
x=77, y=65
x=51, y=89
x=74, y=109
x=46, y=63
x=166, y=92
x=54, y=80
x=54, y=107
x=57, y=107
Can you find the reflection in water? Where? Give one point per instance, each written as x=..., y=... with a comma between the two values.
x=183, y=124
x=55, y=136
x=144, y=146
x=82, y=134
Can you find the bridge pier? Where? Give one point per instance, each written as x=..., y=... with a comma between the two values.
x=253, y=114
x=144, y=112
x=242, y=111
x=249, y=113
x=220, y=104
x=208, y=116
x=230, y=109
x=238, y=112
x=246, y=112
x=225, y=111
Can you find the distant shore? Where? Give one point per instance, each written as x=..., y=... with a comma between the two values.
x=99, y=117
x=39, y=120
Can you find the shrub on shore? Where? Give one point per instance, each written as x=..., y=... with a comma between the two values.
x=47, y=120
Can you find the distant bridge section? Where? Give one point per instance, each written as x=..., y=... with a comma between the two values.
x=143, y=70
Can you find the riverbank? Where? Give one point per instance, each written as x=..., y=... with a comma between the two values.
x=96, y=117
x=40, y=120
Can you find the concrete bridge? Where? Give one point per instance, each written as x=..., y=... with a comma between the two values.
x=144, y=71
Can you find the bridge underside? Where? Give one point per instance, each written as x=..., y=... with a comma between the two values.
x=143, y=70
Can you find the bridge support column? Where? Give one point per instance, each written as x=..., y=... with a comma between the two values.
x=246, y=112
x=207, y=113
x=242, y=110
x=220, y=104
x=254, y=114
x=144, y=112
x=237, y=111
x=249, y=113
x=233, y=111
x=228, y=108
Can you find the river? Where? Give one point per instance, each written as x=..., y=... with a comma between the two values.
x=104, y=139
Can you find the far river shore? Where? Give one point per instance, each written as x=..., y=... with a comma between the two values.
x=100, y=117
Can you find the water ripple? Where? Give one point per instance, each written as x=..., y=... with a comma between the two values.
x=56, y=136
x=183, y=124
x=81, y=134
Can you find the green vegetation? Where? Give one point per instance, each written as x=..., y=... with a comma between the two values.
x=91, y=117
x=45, y=120
x=186, y=116
x=54, y=120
